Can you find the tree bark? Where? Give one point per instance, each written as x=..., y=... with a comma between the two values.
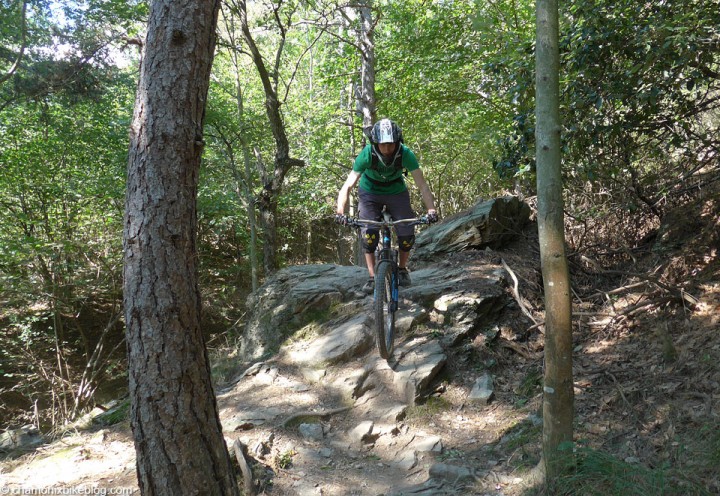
x=178, y=437
x=558, y=392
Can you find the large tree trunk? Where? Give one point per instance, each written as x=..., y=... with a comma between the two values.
x=178, y=437
x=558, y=392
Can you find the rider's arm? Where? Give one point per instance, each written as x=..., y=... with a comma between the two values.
x=425, y=192
x=344, y=194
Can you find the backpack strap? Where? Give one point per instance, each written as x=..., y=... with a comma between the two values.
x=384, y=183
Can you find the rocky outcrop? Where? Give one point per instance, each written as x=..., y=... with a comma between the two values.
x=23, y=438
x=293, y=298
x=487, y=224
x=298, y=296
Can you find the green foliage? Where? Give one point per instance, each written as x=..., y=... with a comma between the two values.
x=62, y=193
x=441, y=88
x=70, y=49
x=433, y=406
x=637, y=80
x=597, y=473
x=64, y=117
x=284, y=460
x=634, y=89
x=115, y=415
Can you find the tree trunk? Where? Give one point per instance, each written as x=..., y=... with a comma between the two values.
x=558, y=391
x=366, y=102
x=272, y=185
x=267, y=206
x=247, y=189
x=178, y=437
x=252, y=220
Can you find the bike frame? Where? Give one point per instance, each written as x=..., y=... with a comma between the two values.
x=386, y=297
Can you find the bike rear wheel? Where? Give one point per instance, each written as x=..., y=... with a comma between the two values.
x=385, y=306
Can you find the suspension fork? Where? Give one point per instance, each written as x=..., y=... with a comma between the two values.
x=392, y=255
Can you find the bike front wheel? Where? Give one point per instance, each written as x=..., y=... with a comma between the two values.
x=385, y=306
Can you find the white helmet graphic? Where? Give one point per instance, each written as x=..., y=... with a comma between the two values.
x=385, y=131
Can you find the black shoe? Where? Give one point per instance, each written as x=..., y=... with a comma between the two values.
x=369, y=286
x=404, y=277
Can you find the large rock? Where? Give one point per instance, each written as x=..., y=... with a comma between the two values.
x=328, y=295
x=417, y=368
x=292, y=298
x=487, y=224
x=24, y=438
x=341, y=343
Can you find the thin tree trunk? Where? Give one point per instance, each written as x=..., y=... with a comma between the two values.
x=178, y=437
x=252, y=219
x=367, y=102
x=249, y=198
x=244, y=181
x=272, y=185
x=558, y=391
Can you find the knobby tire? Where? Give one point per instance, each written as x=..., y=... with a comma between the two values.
x=384, y=318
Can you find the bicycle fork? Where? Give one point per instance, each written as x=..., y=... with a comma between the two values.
x=392, y=257
x=394, y=285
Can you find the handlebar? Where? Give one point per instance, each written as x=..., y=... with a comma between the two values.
x=352, y=222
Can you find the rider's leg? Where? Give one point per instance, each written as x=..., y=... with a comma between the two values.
x=370, y=261
x=403, y=259
x=370, y=207
x=399, y=207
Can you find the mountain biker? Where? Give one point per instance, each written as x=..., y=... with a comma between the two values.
x=379, y=168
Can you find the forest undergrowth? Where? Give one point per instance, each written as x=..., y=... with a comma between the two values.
x=646, y=304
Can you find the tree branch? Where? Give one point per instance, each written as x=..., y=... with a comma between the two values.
x=23, y=43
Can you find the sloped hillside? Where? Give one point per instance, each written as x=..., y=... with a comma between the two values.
x=458, y=409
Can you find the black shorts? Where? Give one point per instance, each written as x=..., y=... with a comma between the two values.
x=371, y=205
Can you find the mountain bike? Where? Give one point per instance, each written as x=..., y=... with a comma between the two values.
x=386, y=293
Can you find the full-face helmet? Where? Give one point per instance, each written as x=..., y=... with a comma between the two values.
x=385, y=131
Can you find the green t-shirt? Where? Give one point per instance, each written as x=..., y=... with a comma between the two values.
x=384, y=173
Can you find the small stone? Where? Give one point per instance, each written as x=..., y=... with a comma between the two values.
x=482, y=391
x=407, y=460
x=451, y=473
x=362, y=431
x=432, y=443
x=312, y=432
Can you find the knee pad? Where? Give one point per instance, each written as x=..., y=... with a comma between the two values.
x=370, y=241
x=406, y=242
